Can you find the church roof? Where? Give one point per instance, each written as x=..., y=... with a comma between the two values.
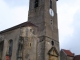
x=68, y=52
x=18, y=26
x=77, y=57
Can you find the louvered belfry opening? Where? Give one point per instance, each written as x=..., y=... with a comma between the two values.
x=36, y=3
x=51, y=4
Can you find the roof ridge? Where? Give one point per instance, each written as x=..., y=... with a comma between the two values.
x=68, y=52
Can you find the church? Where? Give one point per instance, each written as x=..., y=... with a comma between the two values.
x=36, y=39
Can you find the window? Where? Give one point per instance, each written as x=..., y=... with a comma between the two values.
x=36, y=3
x=10, y=47
x=30, y=44
x=20, y=49
x=51, y=21
x=9, y=50
x=50, y=4
x=52, y=42
x=1, y=49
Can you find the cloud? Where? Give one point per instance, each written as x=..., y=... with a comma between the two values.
x=75, y=39
x=66, y=12
x=11, y=16
x=17, y=3
x=73, y=42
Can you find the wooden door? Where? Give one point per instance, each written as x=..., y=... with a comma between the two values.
x=53, y=58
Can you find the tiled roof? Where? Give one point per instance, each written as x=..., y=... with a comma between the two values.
x=77, y=57
x=18, y=26
x=68, y=52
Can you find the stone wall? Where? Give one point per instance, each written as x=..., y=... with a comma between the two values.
x=69, y=58
x=11, y=35
x=62, y=55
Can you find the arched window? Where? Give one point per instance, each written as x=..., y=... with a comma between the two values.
x=1, y=49
x=9, y=50
x=52, y=43
x=20, y=49
x=36, y=3
x=10, y=47
x=51, y=4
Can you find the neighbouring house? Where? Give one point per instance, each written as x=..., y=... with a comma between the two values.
x=77, y=57
x=66, y=55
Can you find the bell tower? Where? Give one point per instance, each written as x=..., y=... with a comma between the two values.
x=43, y=14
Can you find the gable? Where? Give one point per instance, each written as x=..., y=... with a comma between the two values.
x=68, y=52
x=53, y=52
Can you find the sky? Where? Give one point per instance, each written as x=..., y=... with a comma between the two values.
x=14, y=12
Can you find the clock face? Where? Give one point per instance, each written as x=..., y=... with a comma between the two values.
x=51, y=12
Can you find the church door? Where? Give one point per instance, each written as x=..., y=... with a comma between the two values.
x=53, y=58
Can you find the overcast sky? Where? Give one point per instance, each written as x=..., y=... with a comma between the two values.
x=13, y=12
